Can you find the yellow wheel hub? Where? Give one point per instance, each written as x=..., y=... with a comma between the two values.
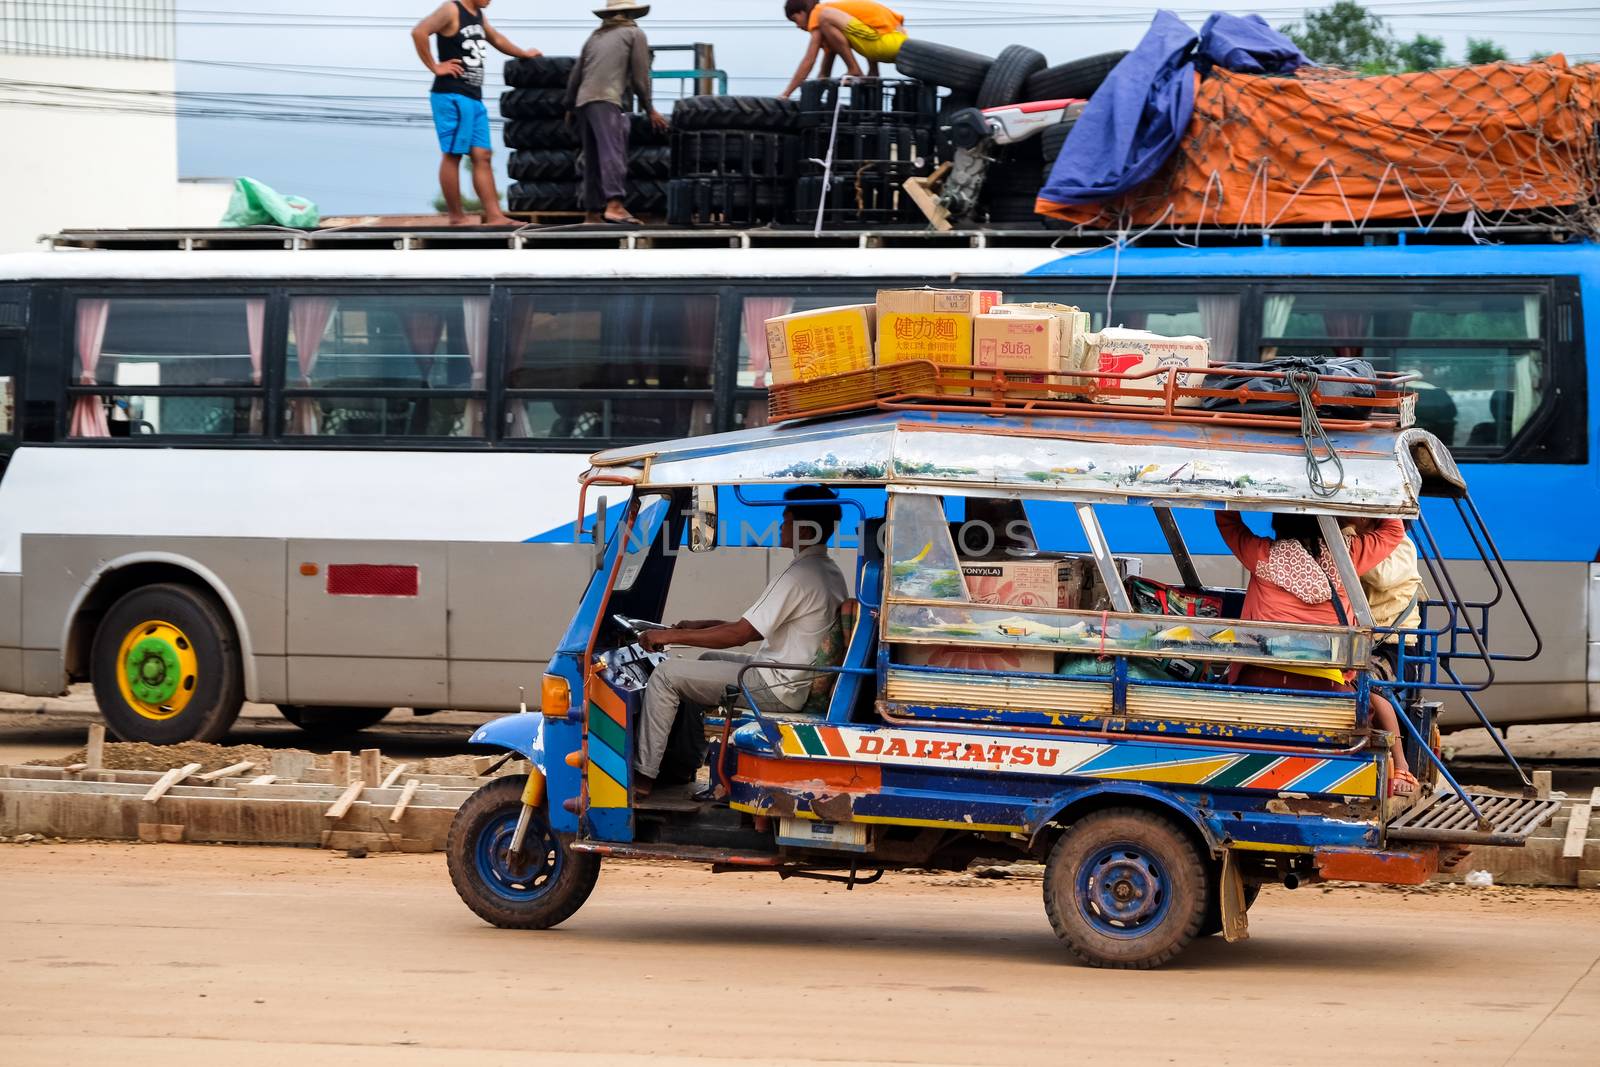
x=157, y=669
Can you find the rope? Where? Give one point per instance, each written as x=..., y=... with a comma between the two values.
x=1304, y=381
x=827, y=160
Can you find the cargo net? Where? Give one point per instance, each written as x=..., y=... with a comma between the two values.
x=1482, y=148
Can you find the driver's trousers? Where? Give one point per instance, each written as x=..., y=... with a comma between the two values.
x=698, y=683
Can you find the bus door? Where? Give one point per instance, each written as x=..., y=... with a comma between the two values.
x=367, y=618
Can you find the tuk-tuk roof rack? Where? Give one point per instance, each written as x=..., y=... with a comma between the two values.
x=1158, y=394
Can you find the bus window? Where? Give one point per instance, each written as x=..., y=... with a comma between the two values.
x=617, y=367
x=1214, y=316
x=140, y=364
x=364, y=365
x=1482, y=355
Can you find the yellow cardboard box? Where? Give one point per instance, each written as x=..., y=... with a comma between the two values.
x=931, y=324
x=810, y=344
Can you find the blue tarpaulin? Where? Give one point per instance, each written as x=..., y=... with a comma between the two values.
x=1134, y=120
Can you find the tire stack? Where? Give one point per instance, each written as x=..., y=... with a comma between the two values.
x=881, y=132
x=732, y=160
x=546, y=165
x=1017, y=74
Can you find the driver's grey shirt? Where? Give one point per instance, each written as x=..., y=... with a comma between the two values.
x=793, y=615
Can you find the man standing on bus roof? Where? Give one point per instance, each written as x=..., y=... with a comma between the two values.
x=459, y=117
x=791, y=618
x=612, y=69
x=839, y=28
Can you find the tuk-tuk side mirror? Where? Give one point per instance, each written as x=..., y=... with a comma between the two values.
x=597, y=533
x=703, y=519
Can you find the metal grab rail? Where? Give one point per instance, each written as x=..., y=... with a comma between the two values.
x=1433, y=757
x=769, y=728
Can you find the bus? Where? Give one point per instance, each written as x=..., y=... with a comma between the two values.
x=334, y=473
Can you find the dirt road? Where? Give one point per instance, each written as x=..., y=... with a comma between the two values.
x=162, y=954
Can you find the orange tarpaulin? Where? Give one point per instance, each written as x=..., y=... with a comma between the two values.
x=1325, y=146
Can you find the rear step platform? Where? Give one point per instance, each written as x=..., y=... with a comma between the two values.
x=1445, y=818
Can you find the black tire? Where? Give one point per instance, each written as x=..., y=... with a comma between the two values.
x=735, y=113
x=1010, y=72
x=326, y=720
x=542, y=165
x=550, y=892
x=1131, y=850
x=194, y=625
x=1051, y=140
x=939, y=64
x=1213, y=920
x=650, y=161
x=540, y=72
x=646, y=196
x=533, y=103
x=642, y=133
x=1076, y=80
x=732, y=154
x=540, y=134
x=544, y=196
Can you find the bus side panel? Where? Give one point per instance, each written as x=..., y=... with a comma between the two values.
x=11, y=633
x=60, y=573
x=508, y=607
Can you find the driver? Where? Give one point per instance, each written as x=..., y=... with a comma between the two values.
x=790, y=618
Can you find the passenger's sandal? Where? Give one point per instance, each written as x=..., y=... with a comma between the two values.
x=1402, y=784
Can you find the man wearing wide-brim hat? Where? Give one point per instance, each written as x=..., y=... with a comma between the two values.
x=612, y=69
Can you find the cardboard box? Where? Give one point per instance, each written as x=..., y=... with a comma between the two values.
x=1029, y=345
x=1126, y=351
x=1040, y=581
x=810, y=344
x=931, y=324
x=1073, y=324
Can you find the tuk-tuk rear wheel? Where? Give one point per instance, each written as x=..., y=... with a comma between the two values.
x=1125, y=888
x=542, y=887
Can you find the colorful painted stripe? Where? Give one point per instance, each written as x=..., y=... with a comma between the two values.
x=1335, y=775
x=606, y=771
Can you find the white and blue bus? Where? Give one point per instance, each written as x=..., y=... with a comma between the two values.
x=339, y=476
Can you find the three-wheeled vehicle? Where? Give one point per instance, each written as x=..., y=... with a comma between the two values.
x=1102, y=737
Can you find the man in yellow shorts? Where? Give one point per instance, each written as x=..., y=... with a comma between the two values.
x=840, y=28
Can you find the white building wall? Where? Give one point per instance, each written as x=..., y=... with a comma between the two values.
x=76, y=167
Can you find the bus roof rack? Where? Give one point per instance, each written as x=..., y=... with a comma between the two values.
x=374, y=235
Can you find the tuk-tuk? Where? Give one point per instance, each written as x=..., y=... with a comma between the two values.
x=1100, y=734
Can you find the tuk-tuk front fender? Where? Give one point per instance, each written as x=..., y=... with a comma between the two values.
x=522, y=734
x=1071, y=804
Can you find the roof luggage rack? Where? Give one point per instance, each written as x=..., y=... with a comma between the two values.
x=921, y=385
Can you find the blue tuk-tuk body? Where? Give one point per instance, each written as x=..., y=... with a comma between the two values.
x=1159, y=794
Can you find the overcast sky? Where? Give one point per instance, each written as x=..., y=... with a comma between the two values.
x=319, y=55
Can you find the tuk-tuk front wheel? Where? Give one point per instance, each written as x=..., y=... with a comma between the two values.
x=1125, y=888
x=541, y=887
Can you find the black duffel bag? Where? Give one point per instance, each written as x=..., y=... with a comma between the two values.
x=1285, y=402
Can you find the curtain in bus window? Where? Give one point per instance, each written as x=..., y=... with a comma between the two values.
x=424, y=331
x=308, y=319
x=1219, y=319
x=1347, y=325
x=89, y=412
x=255, y=318
x=1275, y=312
x=475, y=316
x=758, y=362
x=700, y=334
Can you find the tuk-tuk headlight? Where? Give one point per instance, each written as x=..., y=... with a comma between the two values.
x=555, y=696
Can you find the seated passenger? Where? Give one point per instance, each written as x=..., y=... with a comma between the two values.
x=790, y=618
x=1394, y=591
x=1293, y=579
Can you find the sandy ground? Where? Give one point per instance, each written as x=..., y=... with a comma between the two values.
x=170, y=954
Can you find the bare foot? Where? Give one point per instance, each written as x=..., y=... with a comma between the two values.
x=498, y=219
x=593, y=216
x=458, y=220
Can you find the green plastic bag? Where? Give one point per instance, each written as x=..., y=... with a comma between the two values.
x=259, y=204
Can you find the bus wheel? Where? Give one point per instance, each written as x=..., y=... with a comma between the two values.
x=1125, y=888
x=541, y=888
x=165, y=667
x=320, y=720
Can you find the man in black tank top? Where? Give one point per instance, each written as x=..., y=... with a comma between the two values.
x=459, y=117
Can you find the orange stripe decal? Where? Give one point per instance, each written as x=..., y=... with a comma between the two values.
x=832, y=742
x=608, y=701
x=1282, y=773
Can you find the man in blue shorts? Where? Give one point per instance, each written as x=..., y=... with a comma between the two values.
x=459, y=117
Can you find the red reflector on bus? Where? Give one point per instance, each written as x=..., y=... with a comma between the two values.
x=372, y=579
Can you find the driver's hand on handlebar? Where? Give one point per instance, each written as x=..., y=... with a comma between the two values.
x=655, y=640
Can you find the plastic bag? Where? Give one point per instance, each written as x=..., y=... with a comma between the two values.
x=1248, y=375
x=259, y=204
